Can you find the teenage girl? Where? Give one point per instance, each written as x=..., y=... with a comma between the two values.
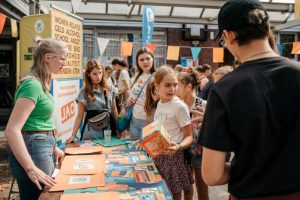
x=187, y=83
x=146, y=67
x=175, y=118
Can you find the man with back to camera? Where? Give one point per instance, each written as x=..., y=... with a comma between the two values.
x=253, y=111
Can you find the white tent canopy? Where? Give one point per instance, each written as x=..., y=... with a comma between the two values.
x=166, y=11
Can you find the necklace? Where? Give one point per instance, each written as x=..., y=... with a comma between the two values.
x=256, y=55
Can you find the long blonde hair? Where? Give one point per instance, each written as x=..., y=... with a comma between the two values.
x=39, y=68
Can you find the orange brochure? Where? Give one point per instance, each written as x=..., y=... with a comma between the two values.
x=155, y=139
x=84, y=150
x=69, y=182
x=83, y=164
x=91, y=196
x=113, y=186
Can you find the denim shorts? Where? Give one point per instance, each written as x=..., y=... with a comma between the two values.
x=40, y=147
x=136, y=126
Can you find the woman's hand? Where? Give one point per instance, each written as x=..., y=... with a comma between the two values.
x=70, y=139
x=37, y=176
x=198, y=114
x=59, y=156
x=129, y=102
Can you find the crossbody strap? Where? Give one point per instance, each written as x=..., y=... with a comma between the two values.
x=142, y=89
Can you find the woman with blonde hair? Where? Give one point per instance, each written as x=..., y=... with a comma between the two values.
x=30, y=129
x=94, y=98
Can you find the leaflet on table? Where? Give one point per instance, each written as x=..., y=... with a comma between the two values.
x=83, y=164
x=84, y=150
x=130, y=157
x=65, y=182
x=91, y=196
x=114, y=142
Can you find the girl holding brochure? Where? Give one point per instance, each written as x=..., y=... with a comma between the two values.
x=175, y=118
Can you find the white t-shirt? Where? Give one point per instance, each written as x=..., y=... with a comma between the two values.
x=123, y=76
x=138, y=109
x=174, y=115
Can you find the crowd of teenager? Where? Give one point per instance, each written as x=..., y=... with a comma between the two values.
x=248, y=111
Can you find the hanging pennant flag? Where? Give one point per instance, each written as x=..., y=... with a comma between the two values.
x=218, y=55
x=152, y=47
x=297, y=9
x=147, y=24
x=173, y=53
x=126, y=48
x=102, y=44
x=195, y=52
x=280, y=48
x=296, y=48
x=2, y=21
x=14, y=28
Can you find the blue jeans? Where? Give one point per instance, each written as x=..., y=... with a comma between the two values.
x=136, y=126
x=40, y=147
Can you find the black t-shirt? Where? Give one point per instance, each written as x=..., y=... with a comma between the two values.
x=254, y=111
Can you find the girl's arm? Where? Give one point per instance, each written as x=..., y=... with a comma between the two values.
x=187, y=140
x=78, y=120
x=18, y=117
x=214, y=169
x=188, y=137
x=114, y=109
x=125, y=89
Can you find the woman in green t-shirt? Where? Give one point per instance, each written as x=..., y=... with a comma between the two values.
x=30, y=129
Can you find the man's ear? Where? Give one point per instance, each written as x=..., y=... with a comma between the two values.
x=230, y=36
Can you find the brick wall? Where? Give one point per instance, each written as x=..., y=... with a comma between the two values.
x=174, y=37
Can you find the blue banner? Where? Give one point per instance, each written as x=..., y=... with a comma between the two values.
x=148, y=25
x=280, y=48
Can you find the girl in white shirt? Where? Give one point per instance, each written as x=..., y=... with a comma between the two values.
x=175, y=118
x=146, y=67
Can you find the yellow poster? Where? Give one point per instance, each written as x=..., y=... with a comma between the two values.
x=57, y=25
x=68, y=29
x=30, y=27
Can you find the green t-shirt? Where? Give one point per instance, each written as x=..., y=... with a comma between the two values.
x=40, y=118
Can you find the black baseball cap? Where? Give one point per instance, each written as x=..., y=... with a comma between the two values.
x=231, y=15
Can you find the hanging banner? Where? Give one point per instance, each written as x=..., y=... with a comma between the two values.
x=147, y=24
x=195, y=52
x=102, y=43
x=2, y=21
x=173, y=53
x=152, y=47
x=280, y=48
x=218, y=55
x=14, y=28
x=126, y=48
x=65, y=107
x=296, y=48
